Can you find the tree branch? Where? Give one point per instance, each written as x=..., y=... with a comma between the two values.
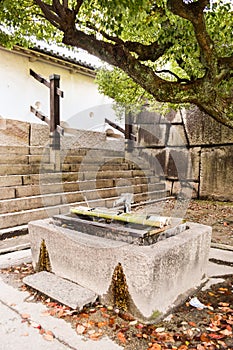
x=194, y=13
x=50, y=15
x=180, y=80
x=226, y=62
x=78, y=5
x=150, y=52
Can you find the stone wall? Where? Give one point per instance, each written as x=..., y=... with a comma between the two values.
x=18, y=133
x=191, y=150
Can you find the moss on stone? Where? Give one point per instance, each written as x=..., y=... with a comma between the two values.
x=43, y=261
x=121, y=297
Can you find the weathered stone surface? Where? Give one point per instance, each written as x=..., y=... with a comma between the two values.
x=204, y=130
x=13, y=159
x=174, y=116
x=14, y=149
x=216, y=173
x=7, y=193
x=27, y=203
x=10, y=180
x=39, y=135
x=177, y=136
x=188, y=189
x=155, y=159
x=60, y=289
x=146, y=117
x=152, y=135
x=23, y=217
x=15, y=133
x=83, y=139
x=157, y=276
x=179, y=163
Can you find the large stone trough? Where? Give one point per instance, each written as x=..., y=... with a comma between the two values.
x=158, y=277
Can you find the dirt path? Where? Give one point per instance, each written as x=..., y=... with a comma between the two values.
x=219, y=215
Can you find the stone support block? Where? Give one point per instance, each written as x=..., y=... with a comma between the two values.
x=204, y=130
x=216, y=173
x=39, y=135
x=177, y=136
x=152, y=135
x=15, y=133
x=158, y=277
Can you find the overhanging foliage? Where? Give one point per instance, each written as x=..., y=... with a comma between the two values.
x=192, y=38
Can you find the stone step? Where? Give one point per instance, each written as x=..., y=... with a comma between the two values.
x=23, y=217
x=62, y=204
x=13, y=232
x=51, y=199
x=13, y=244
x=57, y=177
x=11, y=180
x=23, y=169
x=62, y=290
x=34, y=190
x=14, y=149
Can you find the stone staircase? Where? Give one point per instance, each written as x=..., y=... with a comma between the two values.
x=30, y=188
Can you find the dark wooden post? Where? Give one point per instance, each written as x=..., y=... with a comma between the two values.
x=54, y=110
x=129, y=138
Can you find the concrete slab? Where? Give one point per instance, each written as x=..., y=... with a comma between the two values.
x=18, y=335
x=61, y=290
x=221, y=255
x=158, y=277
x=216, y=270
x=14, y=243
x=15, y=258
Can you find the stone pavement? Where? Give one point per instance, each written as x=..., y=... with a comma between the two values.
x=18, y=335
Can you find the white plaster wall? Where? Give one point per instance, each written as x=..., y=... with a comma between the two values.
x=82, y=106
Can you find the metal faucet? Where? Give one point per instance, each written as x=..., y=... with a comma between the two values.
x=126, y=199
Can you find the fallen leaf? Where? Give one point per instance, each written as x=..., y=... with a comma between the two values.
x=95, y=336
x=101, y=324
x=126, y=316
x=226, y=332
x=48, y=337
x=216, y=336
x=223, y=304
x=204, y=337
x=35, y=325
x=155, y=346
x=80, y=329
x=160, y=329
x=192, y=324
x=49, y=333
x=25, y=316
x=45, y=313
x=139, y=335
x=183, y=347
x=111, y=321
x=121, y=337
